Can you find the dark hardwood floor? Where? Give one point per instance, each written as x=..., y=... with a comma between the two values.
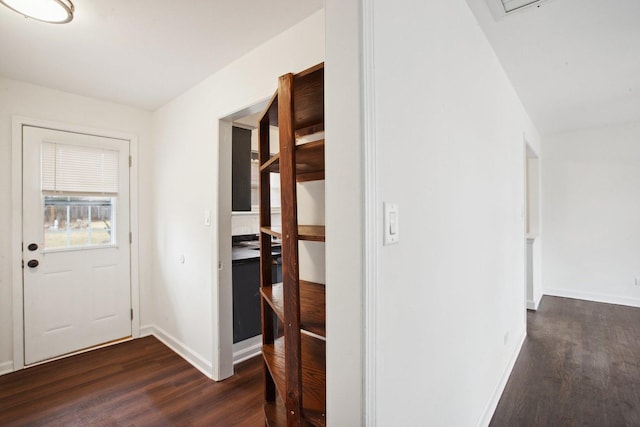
x=579, y=366
x=136, y=383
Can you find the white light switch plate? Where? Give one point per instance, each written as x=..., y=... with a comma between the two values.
x=391, y=224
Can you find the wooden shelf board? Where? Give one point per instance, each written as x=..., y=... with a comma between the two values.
x=309, y=130
x=273, y=295
x=308, y=92
x=310, y=157
x=272, y=231
x=272, y=165
x=270, y=113
x=274, y=414
x=273, y=355
x=314, y=233
x=314, y=377
x=315, y=418
x=312, y=305
x=310, y=176
x=309, y=162
x=311, y=70
x=313, y=370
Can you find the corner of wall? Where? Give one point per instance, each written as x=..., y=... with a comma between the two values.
x=6, y=367
x=497, y=394
x=532, y=304
x=192, y=357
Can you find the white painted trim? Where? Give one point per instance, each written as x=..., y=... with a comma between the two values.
x=146, y=330
x=221, y=276
x=372, y=208
x=245, y=350
x=497, y=394
x=6, y=367
x=135, y=237
x=191, y=356
x=594, y=297
x=16, y=243
x=16, y=222
x=533, y=305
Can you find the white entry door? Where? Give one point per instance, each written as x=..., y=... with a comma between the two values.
x=76, y=250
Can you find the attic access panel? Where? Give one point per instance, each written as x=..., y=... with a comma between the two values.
x=513, y=5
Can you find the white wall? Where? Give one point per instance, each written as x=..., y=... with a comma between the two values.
x=344, y=214
x=451, y=294
x=21, y=99
x=186, y=141
x=591, y=212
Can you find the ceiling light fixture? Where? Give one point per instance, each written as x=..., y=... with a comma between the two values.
x=52, y=11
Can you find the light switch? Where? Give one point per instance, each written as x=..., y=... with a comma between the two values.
x=391, y=224
x=207, y=218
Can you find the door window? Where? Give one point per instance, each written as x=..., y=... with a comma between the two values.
x=79, y=192
x=76, y=222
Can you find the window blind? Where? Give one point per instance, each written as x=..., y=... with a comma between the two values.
x=79, y=169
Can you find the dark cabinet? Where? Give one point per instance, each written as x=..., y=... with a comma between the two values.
x=246, y=299
x=240, y=169
x=246, y=296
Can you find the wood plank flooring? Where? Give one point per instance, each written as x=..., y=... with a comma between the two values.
x=579, y=366
x=136, y=383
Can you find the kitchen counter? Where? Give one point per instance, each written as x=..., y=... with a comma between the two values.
x=240, y=253
x=248, y=252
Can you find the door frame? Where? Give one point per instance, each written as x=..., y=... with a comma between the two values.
x=223, y=367
x=16, y=224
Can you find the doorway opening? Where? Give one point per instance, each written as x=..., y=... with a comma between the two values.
x=532, y=223
x=238, y=231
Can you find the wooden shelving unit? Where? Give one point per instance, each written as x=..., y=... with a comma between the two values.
x=293, y=312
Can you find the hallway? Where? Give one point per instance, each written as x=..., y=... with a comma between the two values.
x=579, y=366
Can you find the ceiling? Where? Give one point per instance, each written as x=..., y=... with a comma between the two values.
x=574, y=63
x=141, y=53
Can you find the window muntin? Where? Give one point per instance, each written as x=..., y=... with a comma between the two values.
x=72, y=222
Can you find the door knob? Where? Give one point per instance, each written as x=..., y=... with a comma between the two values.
x=33, y=263
x=32, y=247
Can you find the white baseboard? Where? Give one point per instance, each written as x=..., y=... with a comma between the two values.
x=146, y=330
x=497, y=394
x=6, y=367
x=197, y=361
x=247, y=349
x=595, y=297
x=534, y=304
